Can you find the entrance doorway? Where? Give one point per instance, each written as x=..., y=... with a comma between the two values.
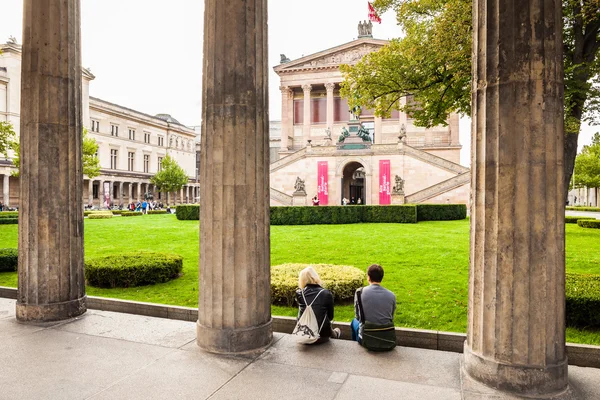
x=353, y=183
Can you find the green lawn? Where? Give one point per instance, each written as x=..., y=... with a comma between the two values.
x=426, y=264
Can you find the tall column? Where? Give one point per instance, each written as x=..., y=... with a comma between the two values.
x=130, y=192
x=330, y=87
x=6, y=190
x=139, y=191
x=287, y=124
x=51, y=280
x=378, y=130
x=307, y=104
x=187, y=194
x=516, y=323
x=90, y=192
x=234, y=305
x=121, y=193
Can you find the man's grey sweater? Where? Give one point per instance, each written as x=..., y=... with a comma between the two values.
x=379, y=305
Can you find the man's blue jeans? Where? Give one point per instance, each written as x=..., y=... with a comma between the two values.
x=355, y=326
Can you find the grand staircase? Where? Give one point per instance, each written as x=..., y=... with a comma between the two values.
x=440, y=188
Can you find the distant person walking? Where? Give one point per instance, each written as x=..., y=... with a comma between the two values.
x=144, y=206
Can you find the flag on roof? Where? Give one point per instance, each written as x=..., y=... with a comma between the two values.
x=373, y=16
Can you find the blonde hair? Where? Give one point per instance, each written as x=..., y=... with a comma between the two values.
x=308, y=276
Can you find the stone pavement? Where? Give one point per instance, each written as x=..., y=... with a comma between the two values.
x=590, y=214
x=105, y=355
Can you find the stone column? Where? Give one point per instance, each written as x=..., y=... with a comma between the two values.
x=129, y=192
x=234, y=304
x=287, y=124
x=6, y=190
x=90, y=191
x=139, y=191
x=516, y=319
x=378, y=130
x=306, y=123
x=187, y=195
x=121, y=193
x=51, y=281
x=330, y=87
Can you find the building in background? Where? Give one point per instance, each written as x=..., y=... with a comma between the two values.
x=131, y=144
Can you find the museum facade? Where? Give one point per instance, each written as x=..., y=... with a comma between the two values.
x=131, y=144
x=308, y=147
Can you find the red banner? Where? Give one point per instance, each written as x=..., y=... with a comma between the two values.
x=373, y=16
x=385, y=193
x=323, y=183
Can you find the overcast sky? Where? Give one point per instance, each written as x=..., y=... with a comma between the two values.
x=147, y=54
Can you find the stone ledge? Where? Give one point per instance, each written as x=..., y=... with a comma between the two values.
x=579, y=354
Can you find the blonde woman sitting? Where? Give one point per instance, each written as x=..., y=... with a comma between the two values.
x=311, y=292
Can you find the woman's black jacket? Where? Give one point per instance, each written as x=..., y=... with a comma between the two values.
x=322, y=307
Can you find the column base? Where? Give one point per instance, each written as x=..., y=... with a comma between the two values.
x=51, y=312
x=524, y=380
x=234, y=341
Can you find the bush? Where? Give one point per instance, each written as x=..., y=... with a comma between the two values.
x=9, y=214
x=305, y=215
x=441, y=212
x=157, y=211
x=341, y=280
x=589, y=223
x=573, y=220
x=131, y=213
x=8, y=260
x=187, y=212
x=100, y=215
x=132, y=269
x=583, y=300
x=583, y=208
x=117, y=212
x=9, y=221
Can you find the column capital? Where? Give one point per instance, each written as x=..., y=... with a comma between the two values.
x=285, y=90
x=330, y=86
x=307, y=88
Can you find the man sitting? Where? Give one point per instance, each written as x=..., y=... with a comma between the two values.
x=374, y=308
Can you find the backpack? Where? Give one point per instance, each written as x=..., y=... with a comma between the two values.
x=307, y=330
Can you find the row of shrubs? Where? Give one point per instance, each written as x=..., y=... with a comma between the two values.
x=9, y=221
x=583, y=208
x=589, y=223
x=350, y=215
x=9, y=214
x=583, y=300
x=9, y=259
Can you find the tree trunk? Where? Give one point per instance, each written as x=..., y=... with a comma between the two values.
x=570, y=154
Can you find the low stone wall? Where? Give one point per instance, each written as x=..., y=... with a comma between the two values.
x=579, y=354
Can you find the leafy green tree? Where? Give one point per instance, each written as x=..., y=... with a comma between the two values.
x=91, y=163
x=587, y=165
x=7, y=137
x=432, y=62
x=171, y=177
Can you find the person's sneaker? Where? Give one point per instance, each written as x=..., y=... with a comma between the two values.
x=336, y=333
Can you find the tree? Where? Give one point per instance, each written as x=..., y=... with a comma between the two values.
x=433, y=64
x=7, y=137
x=587, y=165
x=171, y=176
x=91, y=163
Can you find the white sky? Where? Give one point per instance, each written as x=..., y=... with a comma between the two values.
x=147, y=54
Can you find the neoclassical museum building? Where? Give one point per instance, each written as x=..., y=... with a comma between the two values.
x=307, y=158
x=131, y=144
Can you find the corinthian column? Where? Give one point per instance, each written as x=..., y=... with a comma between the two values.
x=287, y=124
x=516, y=324
x=307, y=103
x=234, y=305
x=51, y=281
x=330, y=87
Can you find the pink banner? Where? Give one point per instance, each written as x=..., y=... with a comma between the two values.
x=385, y=194
x=322, y=183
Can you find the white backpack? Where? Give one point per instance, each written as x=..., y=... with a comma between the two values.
x=307, y=328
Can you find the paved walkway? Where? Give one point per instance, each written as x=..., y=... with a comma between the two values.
x=583, y=214
x=105, y=355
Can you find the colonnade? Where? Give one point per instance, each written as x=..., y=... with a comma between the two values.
x=128, y=191
x=516, y=324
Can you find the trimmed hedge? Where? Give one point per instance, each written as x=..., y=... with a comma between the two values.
x=132, y=214
x=573, y=219
x=341, y=280
x=9, y=221
x=132, y=269
x=305, y=215
x=157, y=211
x=589, y=223
x=583, y=300
x=188, y=212
x=100, y=216
x=441, y=212
x=9, y=214
x=583, y=208
x=8, y=260
x=117, y=212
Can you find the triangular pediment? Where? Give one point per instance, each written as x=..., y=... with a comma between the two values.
x=349, y=53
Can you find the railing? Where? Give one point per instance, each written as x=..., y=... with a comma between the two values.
x=287, y=160
x=440, y=188
x=281, y=197
x=435, y=160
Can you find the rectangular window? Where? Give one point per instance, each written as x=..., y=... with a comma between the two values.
x=113, y=158
x=95, y=126
x=114, y=130
x=160, y=163
x=130, y=160
x=95, y=191
x=298, y=112
x=132, y=134
x=146, y=163
x=318, y=110
x=161, y=141
x=146, y=137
